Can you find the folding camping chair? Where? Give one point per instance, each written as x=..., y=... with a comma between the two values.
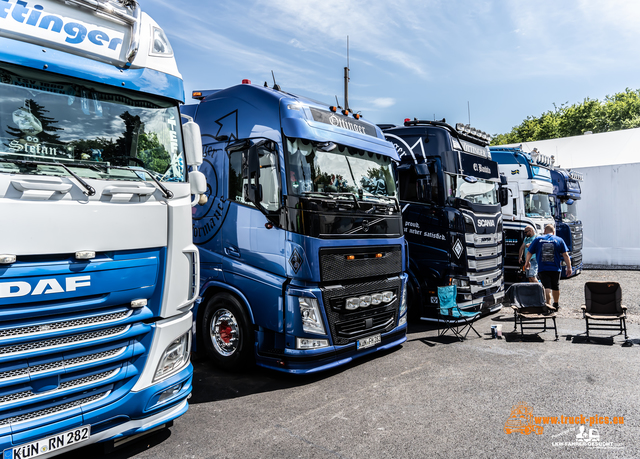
x=603, y=304
x=530, y=309
x=452, y=317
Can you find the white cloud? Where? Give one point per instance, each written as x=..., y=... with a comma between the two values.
x=384, y=102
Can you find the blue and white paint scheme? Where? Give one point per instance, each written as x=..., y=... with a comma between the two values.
x=98, y=270
x=564, y=206
x=301, y=240
x=530, y=188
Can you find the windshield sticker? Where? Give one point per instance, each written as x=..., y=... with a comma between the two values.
x=325, y=117
x=40, y=24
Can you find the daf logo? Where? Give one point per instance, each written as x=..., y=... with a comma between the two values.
x=486, y=223
x=43, y=287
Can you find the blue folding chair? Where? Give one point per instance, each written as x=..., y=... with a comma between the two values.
x=452, y=317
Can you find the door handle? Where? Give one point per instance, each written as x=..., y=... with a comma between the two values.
x=232, y=251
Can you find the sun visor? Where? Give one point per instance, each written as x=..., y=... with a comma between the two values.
x=312, y=123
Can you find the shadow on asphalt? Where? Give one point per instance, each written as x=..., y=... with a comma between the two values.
x=131, y=449
x=212, y=384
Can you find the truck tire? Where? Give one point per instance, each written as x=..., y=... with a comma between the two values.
x=226, y=332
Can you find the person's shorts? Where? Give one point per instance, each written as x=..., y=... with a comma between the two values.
x=550, y=279
x=533, y=269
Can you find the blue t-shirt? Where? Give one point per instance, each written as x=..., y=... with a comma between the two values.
x=529, y=240
x=548, y=250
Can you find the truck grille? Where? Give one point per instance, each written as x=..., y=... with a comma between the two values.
x=348, y=326
x=70, y=349
x=576, y=237
x=576, y=259
x=481, y=265
x=36, y=414
x=62, y=325
x=334, y=265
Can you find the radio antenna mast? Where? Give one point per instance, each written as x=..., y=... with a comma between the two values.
x=346, y=79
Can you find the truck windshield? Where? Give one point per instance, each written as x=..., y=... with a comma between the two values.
x=569, y=212
x=47, y=118
x=537, y=205
x=479, y=192
x=314, y=167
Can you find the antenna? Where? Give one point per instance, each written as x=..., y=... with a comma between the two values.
x=275, y=85
x=346, y=79
x=338, y=103
x=469, y=111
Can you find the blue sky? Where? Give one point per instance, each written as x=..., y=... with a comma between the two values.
x=408, y=58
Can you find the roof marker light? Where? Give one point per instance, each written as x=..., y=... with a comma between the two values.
x=196, y=94
x=333, y=109
x=406, y=120
x=356, y=116
x=345, y=112
x=7, y=259
x=245, y=81
x=85, y=255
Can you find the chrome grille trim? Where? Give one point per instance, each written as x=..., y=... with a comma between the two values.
x=59, y=342
x=64, y=324
x=74, y=383
x=53, y=410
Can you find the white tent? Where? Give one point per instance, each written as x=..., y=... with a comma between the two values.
x=607, y=148
x=610, y=163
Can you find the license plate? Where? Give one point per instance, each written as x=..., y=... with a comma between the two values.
x=369, y=341
x=46, y=445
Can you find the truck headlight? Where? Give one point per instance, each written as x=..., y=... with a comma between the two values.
x=403, y=301
x=175, y=357
x=311, y=317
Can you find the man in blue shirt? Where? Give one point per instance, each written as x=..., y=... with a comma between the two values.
x=549, y=250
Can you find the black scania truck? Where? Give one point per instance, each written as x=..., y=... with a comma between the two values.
x=450, y=193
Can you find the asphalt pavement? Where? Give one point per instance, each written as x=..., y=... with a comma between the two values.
x=431, y=397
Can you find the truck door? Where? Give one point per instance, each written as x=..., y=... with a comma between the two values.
x=254, y=249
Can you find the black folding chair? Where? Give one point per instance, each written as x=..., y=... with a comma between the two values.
x=530, y=309
x=603, y=304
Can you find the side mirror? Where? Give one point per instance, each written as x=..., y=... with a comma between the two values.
x=251, y=174
x=503, y=195
x=192, y=143
x=424, y=189
x=198, y=184
x=422, y=170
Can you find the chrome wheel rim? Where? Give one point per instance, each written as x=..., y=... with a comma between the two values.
x=225, y=332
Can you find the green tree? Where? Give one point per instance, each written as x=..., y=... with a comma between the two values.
x=620, y=111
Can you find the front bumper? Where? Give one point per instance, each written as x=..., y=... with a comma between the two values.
x=311, y=361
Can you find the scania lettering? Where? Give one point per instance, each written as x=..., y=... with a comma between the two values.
x=564, y=203
x=301, y=240
x=449, y=193
x=529, y=181
x=98, y=270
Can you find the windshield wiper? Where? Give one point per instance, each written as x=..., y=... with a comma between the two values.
x=333, y=195
x=89, y=190
x=165, y=191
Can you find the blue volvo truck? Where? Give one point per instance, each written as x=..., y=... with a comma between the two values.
x=450, y=193
x=530, y=188
x=98, y=271
x=302, y=250
x=564, y=200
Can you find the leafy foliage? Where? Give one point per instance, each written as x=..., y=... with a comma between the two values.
x=620, y=111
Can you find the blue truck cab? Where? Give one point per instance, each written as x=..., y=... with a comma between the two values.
x=98, y=271
x=450, y=192
x=530, y=188
x=564, y=200
x=301, y=242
